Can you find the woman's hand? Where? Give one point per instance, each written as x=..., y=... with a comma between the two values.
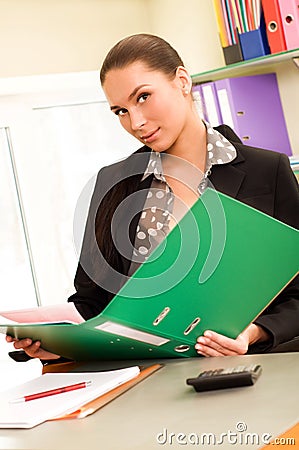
x=32, y=349
x=214, y=344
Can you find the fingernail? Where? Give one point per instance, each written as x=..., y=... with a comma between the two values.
x=208, y=334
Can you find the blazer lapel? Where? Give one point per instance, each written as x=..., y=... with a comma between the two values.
x=228, y=178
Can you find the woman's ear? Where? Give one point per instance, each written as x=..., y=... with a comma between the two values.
x=184, y=80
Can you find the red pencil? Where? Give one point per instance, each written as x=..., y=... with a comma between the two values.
x=56, y=391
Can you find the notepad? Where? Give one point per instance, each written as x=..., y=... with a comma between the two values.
x=32, y=413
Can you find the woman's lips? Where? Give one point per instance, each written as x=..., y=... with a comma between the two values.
x=150, y=137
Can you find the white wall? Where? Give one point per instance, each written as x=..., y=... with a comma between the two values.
x=49, y=36
x=191, y=27
x=55, y=36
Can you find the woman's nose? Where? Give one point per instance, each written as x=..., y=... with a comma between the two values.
x=137, y=120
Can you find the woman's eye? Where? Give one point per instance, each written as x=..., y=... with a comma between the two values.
x=142, y=98
x=120, y=112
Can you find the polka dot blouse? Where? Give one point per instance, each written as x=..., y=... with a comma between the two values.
x=162, y=209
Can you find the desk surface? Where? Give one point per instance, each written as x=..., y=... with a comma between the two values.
x=163, y=403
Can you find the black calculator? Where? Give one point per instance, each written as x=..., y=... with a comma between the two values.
x=226, y=378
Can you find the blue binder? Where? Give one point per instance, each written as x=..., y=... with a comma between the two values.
x=254, y=43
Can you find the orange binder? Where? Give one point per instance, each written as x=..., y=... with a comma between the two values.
x=274, y=27
x=94, y=405
x=289, y=11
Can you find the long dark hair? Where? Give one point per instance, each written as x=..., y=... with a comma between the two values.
x=158, y=55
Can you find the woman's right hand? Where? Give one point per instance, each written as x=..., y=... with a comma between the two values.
x=32, y=349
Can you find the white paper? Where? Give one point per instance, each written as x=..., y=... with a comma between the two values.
x=31, y=413
x=65, y=312
x=14, y=373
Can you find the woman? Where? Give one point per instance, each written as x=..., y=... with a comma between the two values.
x=149, y=89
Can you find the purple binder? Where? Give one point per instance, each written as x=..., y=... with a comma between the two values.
x=251, y=105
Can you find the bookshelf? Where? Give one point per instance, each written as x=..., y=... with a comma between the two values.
x=285, y=65
x=242, y=67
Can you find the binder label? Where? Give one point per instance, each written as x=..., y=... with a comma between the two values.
x=132, y=333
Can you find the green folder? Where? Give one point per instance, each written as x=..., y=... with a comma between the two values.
x=218, y=269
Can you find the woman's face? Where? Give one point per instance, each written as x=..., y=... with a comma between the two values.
x=150, y=106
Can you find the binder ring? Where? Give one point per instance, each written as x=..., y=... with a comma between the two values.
x=161, y=316
x=289, y=18
x=182, y=348
x=272, y=26
x=192, y=325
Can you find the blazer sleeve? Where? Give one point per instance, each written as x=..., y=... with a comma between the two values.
x=281, y=318
x=89, y=298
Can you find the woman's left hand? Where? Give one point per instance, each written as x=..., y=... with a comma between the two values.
x=214, y=344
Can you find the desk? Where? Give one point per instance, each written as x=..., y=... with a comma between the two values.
x=164, y=402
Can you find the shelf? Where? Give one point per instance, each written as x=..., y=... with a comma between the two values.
x=243, y=66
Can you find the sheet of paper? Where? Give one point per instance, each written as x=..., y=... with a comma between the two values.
x=14, y=373
x=65, y=312
x=31, y=413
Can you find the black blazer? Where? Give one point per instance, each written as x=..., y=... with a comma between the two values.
x=260, y=178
